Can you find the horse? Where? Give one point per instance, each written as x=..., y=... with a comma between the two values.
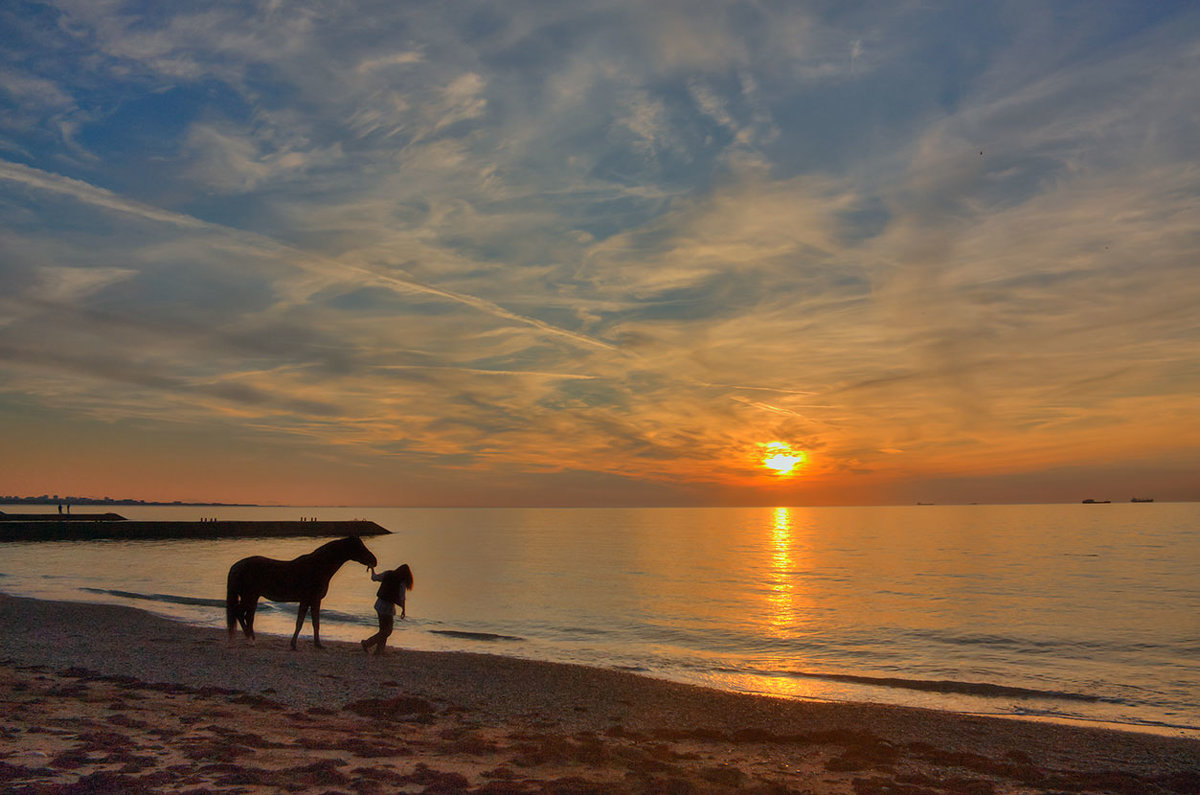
x=304, y=580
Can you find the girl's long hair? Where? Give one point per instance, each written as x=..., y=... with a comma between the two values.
x=406, y=577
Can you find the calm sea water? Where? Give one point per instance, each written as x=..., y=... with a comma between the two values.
x=1063, y=612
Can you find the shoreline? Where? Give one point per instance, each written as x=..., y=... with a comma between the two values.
x=335, y=632
x=477, y=721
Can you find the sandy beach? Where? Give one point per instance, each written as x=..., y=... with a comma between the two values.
x=111, y=699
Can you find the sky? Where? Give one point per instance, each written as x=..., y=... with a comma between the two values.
x=600, y=253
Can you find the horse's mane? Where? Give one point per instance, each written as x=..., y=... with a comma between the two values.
x=337, y=543
x=331, y=546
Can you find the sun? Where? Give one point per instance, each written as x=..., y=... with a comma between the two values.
x=780, y=457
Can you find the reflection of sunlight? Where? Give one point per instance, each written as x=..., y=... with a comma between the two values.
x=787, y=608
x=781, y=596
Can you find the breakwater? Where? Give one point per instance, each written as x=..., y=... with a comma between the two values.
x=97, y=530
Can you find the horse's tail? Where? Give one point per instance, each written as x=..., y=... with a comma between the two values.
x=231, y=602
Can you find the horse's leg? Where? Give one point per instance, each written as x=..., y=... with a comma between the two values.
x=231, y=609
x=316, y=618
x=300, y=613
x=248, y=616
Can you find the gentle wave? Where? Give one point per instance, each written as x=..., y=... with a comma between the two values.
x=1057, y=715
x=1033, y=645
x=582, y=631
x=984, y=689
x=161, y=597
x=333, y=616
x=487, y=636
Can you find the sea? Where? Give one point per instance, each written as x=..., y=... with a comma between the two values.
x=1066, y=613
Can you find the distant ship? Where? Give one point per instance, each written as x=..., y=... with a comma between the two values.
x=1096, y=502
x=1141, y=499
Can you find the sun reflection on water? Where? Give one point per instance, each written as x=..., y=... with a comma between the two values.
x=787, y=608
x=781, y=595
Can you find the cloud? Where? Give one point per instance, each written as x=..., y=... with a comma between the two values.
x=226, y=161
x=263, y=246
x=32, y=96
x=382, y=62
x=69, y=285
x=90, y=194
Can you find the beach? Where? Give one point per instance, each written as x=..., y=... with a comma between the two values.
x=109, y=698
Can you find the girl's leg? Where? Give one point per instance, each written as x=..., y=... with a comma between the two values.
x=379, y=636
x=385, y=629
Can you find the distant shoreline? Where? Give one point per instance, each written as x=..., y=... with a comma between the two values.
x=107, y=501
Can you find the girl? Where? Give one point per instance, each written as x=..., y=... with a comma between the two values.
x=392, y=588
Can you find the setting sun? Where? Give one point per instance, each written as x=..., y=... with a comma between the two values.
x=780, y=457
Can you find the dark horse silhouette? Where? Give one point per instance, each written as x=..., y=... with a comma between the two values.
x=304, y=580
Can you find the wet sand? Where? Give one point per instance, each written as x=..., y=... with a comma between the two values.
x=112, y=699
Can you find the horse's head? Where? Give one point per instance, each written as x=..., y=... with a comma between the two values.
x=358, y=552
